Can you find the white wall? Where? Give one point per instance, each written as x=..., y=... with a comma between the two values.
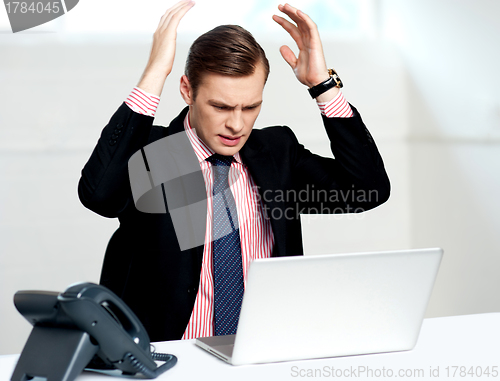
x=441, y=156
x=58, y=96
x=450, y=51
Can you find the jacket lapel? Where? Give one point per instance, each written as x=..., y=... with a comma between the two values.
x=177, y=126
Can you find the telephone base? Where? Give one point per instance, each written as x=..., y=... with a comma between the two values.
x=57, y=354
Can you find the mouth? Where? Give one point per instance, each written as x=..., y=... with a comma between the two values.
x=230, y=141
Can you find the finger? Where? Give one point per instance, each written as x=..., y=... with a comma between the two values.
x=173, y=19
x=179, y=7
x=172, y=10
x=303, y=21
x=290, y=28
x=290, y=12
x=309, y=22
x=288, y=56
x=180, y=12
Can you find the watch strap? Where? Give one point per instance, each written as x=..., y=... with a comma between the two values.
x=333, y=81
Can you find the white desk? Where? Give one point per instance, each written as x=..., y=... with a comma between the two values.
x=449, y=342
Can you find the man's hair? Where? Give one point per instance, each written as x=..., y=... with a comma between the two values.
x=228, y=50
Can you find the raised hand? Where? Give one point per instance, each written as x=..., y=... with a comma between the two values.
x=310, y=66
x=161, y=58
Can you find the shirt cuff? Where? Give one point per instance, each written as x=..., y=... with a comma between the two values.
x=142, y=103
x=336, y=108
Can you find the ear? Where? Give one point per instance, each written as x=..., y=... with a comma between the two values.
x=186, y=90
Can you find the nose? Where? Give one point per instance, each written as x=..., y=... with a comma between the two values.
x=235, y=121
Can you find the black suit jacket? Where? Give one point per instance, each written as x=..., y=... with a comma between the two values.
x=144, y=264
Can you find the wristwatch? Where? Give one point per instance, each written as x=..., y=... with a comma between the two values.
x=333, y=81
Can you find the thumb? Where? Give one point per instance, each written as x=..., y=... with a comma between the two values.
x=288, y=56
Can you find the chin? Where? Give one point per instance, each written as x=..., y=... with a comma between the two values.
x=227, y=151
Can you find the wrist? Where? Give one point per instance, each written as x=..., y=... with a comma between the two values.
x=320, y=79
x=332, y=82
x=152, y=80
x=328, y=95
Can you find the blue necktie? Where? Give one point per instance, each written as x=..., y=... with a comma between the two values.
x=227, y=265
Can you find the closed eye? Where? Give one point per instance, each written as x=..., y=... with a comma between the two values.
x=221, y=107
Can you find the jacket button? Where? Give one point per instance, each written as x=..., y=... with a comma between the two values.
x=119, y=127
x=112, y=142
x=114, y=136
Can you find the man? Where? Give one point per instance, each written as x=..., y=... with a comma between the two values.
x=180, y=292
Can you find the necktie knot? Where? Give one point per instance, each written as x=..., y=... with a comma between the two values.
x=219, y=160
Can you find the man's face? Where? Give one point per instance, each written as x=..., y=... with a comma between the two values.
x=225, y=109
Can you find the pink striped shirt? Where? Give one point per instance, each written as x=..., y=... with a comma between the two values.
x=146, y=104
x=142, y=102
x=257, y=239
x=336, y=108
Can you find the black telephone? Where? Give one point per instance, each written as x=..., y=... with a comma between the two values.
x=86, y=326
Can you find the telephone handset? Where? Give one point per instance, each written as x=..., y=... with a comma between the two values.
x=85, y=320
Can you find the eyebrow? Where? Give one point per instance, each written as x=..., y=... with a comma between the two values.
x=214, y=102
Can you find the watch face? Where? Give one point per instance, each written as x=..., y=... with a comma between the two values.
x=336, y=78
x=332, y=72
x=338, y=81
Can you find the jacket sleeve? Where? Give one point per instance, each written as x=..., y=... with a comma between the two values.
x=354, y=181
x=104, y=186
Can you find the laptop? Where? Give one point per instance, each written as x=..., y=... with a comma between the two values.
x=306, y=307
